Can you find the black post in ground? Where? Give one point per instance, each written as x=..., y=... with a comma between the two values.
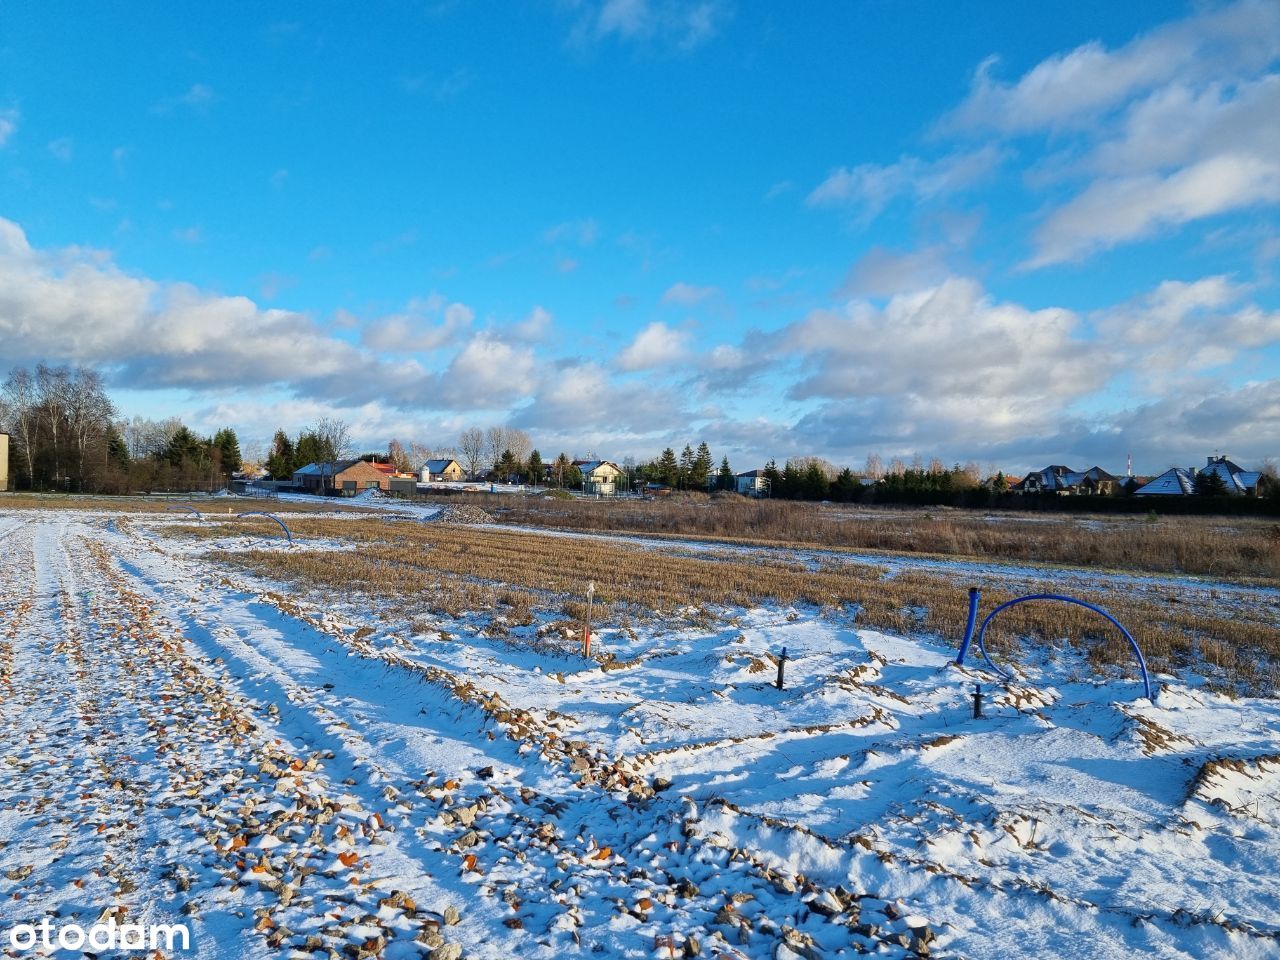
x=782, y=662
x=977, y=701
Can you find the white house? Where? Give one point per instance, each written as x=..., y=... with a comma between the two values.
x=600, y=477
x=753, y=483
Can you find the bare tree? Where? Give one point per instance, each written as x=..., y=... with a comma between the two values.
x=399, y=457
x=495, y=441
x=147, y=438
x=936, y=467
x=89, y=411
x=519, y=444
x=471, y=444
x=874, y=467
x=334, y=436
x=23, y=417
x=419, y=453
x=52, y=386
x=828, y=468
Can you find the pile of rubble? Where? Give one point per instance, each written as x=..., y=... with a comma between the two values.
x=452, y=514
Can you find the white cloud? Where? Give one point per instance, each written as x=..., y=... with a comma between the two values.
x=871, y=187
x=1073, y=89
x=584, y=405
x=8, y=124
x=198, y=97
x=415, y=332
x=489, y=373
x=687, y=295
x=684, y=25
x=1179, y=329
x=883, y=273
x=583, y=232
x=62, y=149
x=950, y=354
x=76, y=306
x=535, y=327
x=1115, y=211
x=656, y=345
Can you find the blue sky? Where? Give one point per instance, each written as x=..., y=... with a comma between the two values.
x=1007, y=233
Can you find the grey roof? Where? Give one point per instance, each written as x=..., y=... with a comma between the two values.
x=591, y=466
x=1237, y=481
x=439, y=466
x=326, y=469
x=1174, y=482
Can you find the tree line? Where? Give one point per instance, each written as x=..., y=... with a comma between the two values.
x=65, y=437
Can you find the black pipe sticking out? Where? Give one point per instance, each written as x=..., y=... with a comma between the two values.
x=977, y=701
x=782, y=662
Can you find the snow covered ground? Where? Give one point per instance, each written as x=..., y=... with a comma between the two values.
x=186, y=744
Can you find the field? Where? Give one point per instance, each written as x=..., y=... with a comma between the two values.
x=386, y=740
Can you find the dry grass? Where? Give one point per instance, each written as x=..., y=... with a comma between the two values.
x=509, y=574
x=1213, y=546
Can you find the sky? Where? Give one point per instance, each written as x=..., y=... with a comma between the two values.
x=1007, y=233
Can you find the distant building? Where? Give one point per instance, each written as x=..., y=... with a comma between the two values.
x=442, y=470
x=1174, y=482
x=1058, y=479
x=1179, y=482
x=599, y=477
x=1238, y=481
x=345, y=476
x=4, y=461
x=753, y=483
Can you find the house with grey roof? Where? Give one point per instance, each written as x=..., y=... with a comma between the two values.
x=1180, y=482
x=1064, y=481
x=1174, y=482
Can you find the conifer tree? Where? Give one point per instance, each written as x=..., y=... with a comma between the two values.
x=725, y=479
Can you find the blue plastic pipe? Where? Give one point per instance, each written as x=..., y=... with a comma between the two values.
x=974, y=597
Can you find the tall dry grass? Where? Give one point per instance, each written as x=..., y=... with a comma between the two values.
x=1212, y=546
x=509, y=574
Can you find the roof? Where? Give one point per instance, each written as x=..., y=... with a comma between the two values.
x=591, y=466
x=1236, y=480
x=752, y=473
x=1174, y=482
x=382, y=467
x=325, y=468
x=439, y=466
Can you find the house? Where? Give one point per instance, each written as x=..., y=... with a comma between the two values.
x=1179, y=482
x=1064, y=481
x=1238, y=482
x=4, y=462
x=1174, y=482
x=753, y=483
x=346, y=476
x=449, y=471
x=600, y=477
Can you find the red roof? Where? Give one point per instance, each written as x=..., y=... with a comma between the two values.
x=387, y=468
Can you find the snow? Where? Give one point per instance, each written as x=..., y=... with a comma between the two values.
x=198, y=745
